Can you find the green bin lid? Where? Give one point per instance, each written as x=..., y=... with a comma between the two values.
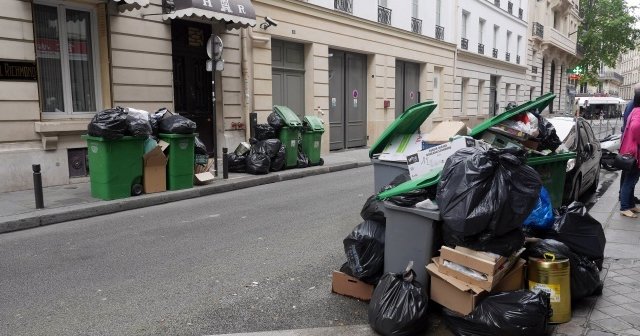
x=288, y=116
x=427, y=180
x=176, y=136
x=124, y=138
x=407, y=123
x=538, y=104
x=314, y=123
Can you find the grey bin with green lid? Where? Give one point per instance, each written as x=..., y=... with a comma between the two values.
x=312, y=130
x=289, y=134
x=407, y=123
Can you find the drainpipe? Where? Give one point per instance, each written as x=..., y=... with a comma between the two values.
x=247, y=77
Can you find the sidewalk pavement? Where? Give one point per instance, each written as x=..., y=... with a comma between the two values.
x=74, y=201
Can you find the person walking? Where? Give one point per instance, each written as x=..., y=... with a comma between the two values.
x=630, y=145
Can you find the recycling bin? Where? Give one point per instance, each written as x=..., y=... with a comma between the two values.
x=552, y=170
x=411, y=234
x=312, y=130
x=289, y=134
x=180, y=160
x=115, y=166
x=406, y=124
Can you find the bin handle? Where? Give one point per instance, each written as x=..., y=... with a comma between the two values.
x=549, y=255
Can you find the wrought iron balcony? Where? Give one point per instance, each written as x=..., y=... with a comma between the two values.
x=517, y=59
x=496, y=2
x=384, y=15
x=416, y=25
x=343, y=5
x=464, y=43
x=520, y=13
x=510, y=7
x=611, y=75
x=534, y=69
x=507, y=57
x=495, y=53
x=538, y=29
x=439, y=32
x=480, y=48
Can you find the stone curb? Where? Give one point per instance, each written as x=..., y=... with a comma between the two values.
x=52, y=216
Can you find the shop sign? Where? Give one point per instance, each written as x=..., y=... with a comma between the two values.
x=18, y=71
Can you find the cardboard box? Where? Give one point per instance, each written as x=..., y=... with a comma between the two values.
x=432, y=158
x=347, y=285
x=510, y=132
x=444, y=131
x=494, y=270
x=462, y=297
x=500, y=141
x=401, y=146
x=155, y=171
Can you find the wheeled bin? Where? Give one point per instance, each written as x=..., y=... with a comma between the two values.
x=180, y=160
x=289, y=134
x=312, y=130
x=115, y=166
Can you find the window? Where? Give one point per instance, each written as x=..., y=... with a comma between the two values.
x=465, y=16
x=382, y=3
x=463, y=95
x=66, y=52
x=438, y=11
x=480, y=95
x=518, y=42
x=517, y=100
x=508, y=41
x=481, y=31
x=556, y=20
x=414, y=8
x=495, y=36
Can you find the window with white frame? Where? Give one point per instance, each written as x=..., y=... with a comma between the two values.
x=518, y=43
x=438, y=11
x=508, y=41
x=414, y=8
x=495, y=36
x=67, y=53
x=382, y=3
x=465, y=17
x=481, y=31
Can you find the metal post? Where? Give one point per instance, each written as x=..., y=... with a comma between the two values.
x=225, y=163
x=37, y=186
x=213, y=101
x=253, y=122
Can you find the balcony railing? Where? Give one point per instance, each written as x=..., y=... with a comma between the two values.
x=534, y=69
x=464, y=43
x=416, y=25
x=439, y=32
x=507, y=57
x=611, y=75
x=343, y=5
x=384, y=15
x=510, y=7
x=495, y=53
x=517, y=59
x=538, y=29
x=496, y=2
x=480, y=48
x=520, y=13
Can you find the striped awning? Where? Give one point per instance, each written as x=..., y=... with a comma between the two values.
x=233, y=13
x=124, y=5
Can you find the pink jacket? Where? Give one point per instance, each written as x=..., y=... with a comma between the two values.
x=631, y=135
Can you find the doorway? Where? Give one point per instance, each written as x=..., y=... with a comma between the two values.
x=191, y=80
x=287, y=62
x=552, y=83
x=493, y=95
x=347, y=100
x=407, y=85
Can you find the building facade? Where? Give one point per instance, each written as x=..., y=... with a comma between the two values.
x=629, y=67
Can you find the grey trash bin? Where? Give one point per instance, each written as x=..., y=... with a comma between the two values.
x=409, y=236
x=385, y=171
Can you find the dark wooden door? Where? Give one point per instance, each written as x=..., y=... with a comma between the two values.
x=191, y=80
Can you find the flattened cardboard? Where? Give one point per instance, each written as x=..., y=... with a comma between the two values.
x=203, y=178
x=444, y=131
x=155, y=171
x=479, y=261
x=432, y=158
x=163, y=145
x=347, y=285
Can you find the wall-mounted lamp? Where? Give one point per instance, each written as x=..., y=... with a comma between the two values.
x=268, y=22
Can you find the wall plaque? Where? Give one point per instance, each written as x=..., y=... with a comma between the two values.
x=18, y=71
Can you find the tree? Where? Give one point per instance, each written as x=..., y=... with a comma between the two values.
x=606, y=32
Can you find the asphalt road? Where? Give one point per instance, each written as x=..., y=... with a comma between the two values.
x=249, y=260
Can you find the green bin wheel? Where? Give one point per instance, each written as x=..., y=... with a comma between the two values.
x=136, y=189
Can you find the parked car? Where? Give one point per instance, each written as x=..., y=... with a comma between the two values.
x=583, y=172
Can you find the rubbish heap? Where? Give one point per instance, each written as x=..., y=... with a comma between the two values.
x=468, y=224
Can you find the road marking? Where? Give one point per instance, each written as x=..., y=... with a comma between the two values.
x=353, y=330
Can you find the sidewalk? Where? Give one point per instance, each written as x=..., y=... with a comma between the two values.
x=74, y=201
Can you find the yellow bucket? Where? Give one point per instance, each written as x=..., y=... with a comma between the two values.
x=552, y=276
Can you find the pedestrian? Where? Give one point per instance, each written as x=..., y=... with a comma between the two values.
x=630, y=144
x=625, y=116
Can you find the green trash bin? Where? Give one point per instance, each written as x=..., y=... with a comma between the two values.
x=181, y=160
x=552, y=170
x=289, y=134
x=312, y=129
x=115, y=166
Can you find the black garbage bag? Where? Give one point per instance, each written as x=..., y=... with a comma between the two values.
x=585, y=278
x=258, y=163
x=345, y=269
x=504, y=245
x=303, y=159
x=138, y=124
x=264, y=132
x=409, y=199
x=275, y=121
x=110, y=124
x=582, y=233
x=154, y=119
x=483, y=195
x=273, y=147
x=519, y=313
x=277, y=162
x=372, y=210
x=199, y=147
x=237, y=163
x=547, y=136
x=364, y=248
x=176, y=124
x=398, y=305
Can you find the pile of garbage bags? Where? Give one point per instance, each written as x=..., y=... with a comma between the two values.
x=119, y=121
